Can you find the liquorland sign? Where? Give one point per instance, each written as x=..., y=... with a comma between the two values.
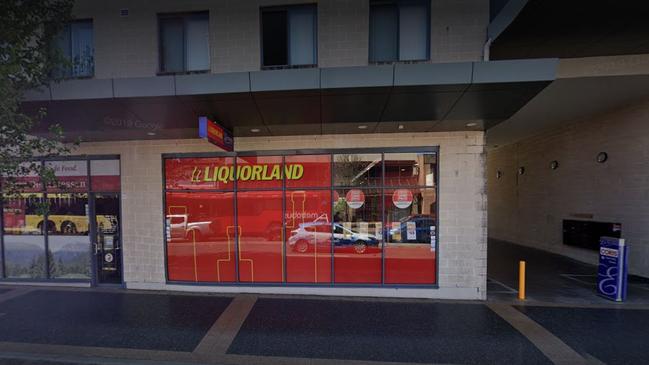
x=225, y=174
x=215, y=134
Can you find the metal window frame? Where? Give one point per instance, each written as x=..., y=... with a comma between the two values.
x=43, y=190
x=398, y=4
x=284, y=189
x=287, y=9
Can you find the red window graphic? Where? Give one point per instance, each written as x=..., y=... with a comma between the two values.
x=308, y=236
x=200, y=236
x=284, y=221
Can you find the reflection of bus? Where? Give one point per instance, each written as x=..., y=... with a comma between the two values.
x=67, y=214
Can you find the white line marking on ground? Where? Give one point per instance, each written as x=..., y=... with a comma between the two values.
x=511, y=290
x=551, y=346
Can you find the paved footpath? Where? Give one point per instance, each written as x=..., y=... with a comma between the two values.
x=40, y=325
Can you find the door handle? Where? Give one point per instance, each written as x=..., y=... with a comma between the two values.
x=96, y=249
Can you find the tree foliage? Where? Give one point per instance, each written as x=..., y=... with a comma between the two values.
x=28, y=61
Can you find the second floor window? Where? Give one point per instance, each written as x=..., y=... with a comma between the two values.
x=399, y=30
x=77, y=45
x=289, y=36
x=184, y=42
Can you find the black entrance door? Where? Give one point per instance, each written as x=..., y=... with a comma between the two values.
x=107, y=240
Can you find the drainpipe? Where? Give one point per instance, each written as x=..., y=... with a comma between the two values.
x=486, y=48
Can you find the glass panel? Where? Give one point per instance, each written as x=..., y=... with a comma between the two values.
x=25, y=180
x=411, y=226
x=24, y=242
x=82, y=51
x=316, y=171
x=413, y=31
x=198, y=39
x=383, y=32
x=410, y=169
x=260, y=243
x=302, y=35
x=274, y=37
x=200, y=173
x=68, y=240
x=200, y=237
x=357, y=169
x=357, y=236
x=171, y=41
x=308, y=232
x=72, y=176
x=62, y=43
x=105, y=175
x=263, y=172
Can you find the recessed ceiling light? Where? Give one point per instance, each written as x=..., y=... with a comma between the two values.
x=150, y=133
x=362, y=127
x=255, y=130
x=401, y=126
x=471, y=124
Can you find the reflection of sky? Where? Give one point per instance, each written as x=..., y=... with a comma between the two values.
x=69, y=243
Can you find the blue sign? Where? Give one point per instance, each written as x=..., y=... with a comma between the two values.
x=612, y=272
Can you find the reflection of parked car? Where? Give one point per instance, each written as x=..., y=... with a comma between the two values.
x=182, y=229
x=308, y=235
x=423, y=222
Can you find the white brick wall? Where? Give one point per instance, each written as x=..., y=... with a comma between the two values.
x=462, y=199
x=128, y=46
x=529, y=209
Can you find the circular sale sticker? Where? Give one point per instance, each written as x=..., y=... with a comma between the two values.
x=402, y=198
x=355, y=198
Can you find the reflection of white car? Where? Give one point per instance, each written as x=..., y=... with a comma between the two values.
x=308, y=235
x=181, y=229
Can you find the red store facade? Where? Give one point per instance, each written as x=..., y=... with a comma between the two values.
x=364, y=217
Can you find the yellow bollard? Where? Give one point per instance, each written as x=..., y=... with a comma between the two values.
x=521, y=280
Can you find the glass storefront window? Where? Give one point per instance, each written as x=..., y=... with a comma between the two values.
x=26, y=180
x=24, y=242
x=264, y=172
x=46, y=229
x=105, y=176
x=312, y=219
x=316, y=171
x=259, y=217
x=71, y=176
x=357, y=236
x=308, y=236
x=357, y=169
x=410, y=169
x=69, y=240
x=411, y=236
x=215, y=173
x=200, y=235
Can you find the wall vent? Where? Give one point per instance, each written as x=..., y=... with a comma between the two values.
x=123, y=12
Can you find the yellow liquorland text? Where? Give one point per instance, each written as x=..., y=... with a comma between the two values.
x=226, y=174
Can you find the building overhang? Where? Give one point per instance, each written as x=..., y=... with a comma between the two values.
x=379, y=99
x=585, y=89
x=570, y=29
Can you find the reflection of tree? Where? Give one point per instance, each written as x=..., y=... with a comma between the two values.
x=339, y=210
x=36, y=268
x=75, y=266
x=353, y=170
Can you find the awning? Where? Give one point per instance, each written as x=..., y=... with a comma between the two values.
x=379, y=99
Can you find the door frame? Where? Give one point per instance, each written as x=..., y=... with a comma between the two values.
x=94, y=282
